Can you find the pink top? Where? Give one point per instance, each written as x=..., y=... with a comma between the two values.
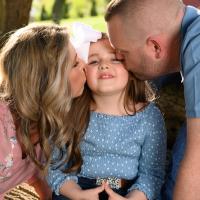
x=13, y=169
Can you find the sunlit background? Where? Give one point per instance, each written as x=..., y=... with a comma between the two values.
x=67, y=11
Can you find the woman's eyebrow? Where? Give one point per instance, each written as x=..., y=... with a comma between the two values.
x=75, y=58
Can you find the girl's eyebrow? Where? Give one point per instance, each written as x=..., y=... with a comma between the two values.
x=94, y=54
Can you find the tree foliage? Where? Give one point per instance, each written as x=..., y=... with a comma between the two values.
x=58, y=9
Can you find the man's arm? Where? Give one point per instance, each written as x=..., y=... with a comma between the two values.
x=188, y=180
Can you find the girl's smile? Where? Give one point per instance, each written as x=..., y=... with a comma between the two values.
x=105, y=76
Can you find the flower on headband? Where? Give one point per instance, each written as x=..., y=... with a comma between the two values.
x=82, y=35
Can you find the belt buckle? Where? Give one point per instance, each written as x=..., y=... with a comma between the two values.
x=114, y=183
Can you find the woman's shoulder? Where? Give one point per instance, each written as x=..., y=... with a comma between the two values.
x=4, y=109
x=7, y=126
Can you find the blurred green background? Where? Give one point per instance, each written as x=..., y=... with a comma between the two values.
x=67, y=11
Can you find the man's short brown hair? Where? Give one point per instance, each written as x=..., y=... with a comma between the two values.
x=116, y=7
x=128, y=8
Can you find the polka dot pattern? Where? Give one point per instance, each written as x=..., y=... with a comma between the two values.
x=125, y=147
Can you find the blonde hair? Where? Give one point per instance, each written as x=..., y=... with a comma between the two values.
x=35, y=64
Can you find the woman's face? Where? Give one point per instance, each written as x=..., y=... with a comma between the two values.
x=77, y=77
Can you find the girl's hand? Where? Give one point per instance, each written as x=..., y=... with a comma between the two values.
x=72, y=190
x=112, y=195
x=91, y=194
x=133, y=195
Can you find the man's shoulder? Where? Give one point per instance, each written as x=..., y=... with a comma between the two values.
x=190, y=23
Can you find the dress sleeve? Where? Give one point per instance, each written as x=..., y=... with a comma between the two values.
x=151, y=169
x=56, y=177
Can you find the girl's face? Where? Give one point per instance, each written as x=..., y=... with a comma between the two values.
x=104, y=72
x=77, y=74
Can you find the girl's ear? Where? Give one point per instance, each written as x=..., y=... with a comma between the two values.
x=155, y=46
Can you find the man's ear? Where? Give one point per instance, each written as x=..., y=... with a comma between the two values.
x=155, y=46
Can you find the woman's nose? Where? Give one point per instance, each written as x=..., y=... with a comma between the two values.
x=82, y=63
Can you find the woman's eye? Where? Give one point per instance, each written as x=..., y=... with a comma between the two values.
x=76, y=64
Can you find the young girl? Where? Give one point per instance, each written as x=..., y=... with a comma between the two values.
x=118, y=135
x=40, y=74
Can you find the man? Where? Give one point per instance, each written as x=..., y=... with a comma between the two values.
x=158, y=37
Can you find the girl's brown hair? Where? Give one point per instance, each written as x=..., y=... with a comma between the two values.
x=35, y=63
x=136, y=91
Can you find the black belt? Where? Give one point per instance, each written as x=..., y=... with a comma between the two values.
x=114, y=183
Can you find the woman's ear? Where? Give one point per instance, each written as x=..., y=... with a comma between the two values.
x=155, y=46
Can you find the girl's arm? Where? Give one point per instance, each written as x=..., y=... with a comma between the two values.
x=72, y=190
x=66, y=183
x=136, y=195
x=151, y=170
x=56, y=178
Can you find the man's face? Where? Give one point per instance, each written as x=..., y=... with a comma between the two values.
x=134, y=49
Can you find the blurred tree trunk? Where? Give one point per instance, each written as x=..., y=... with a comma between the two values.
x=57, y=10
x=13, y=14
x=93, y=11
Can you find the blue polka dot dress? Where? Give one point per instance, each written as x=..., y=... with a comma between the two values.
x=128, y=147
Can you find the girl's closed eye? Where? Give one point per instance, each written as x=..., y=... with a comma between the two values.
x=93, y=62
x=114, y=59
x=117, y=61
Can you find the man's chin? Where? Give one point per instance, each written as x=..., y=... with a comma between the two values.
x=141, y=77
x=145, y=77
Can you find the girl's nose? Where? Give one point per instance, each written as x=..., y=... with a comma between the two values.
x=103, y=67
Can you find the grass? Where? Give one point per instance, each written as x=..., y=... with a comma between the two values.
x=96, y=22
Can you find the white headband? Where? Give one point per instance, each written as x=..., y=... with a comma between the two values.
x=81, y=38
